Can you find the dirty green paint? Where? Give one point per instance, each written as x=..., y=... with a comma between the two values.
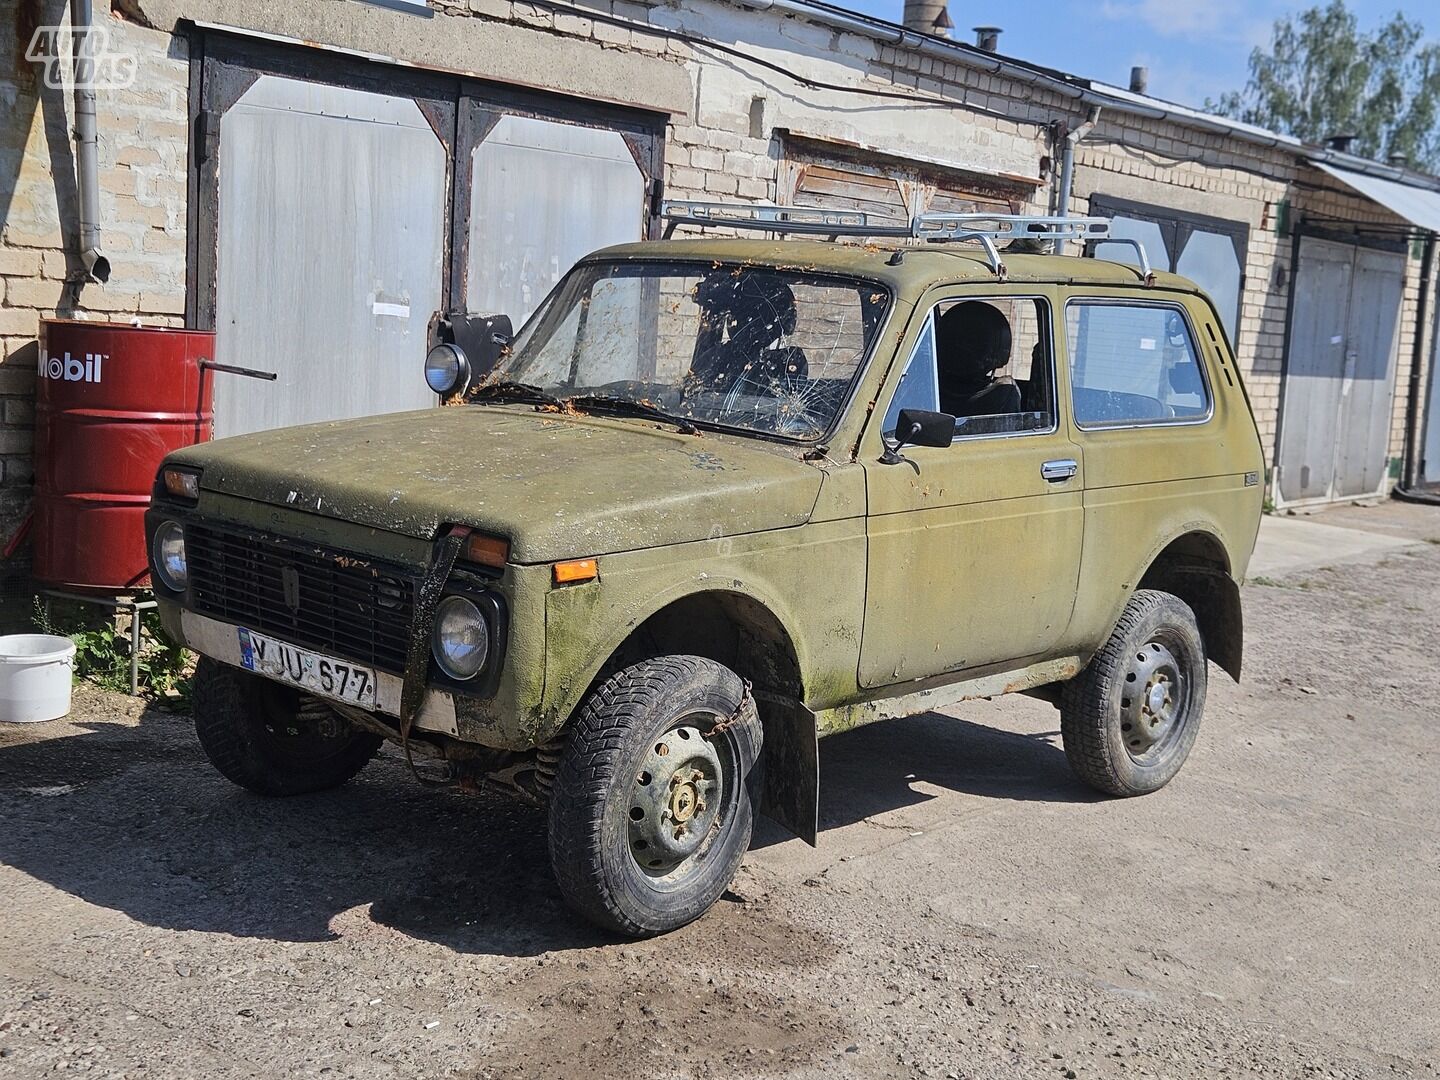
x=837, y=547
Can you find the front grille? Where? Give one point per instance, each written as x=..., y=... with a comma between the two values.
x=348, y=606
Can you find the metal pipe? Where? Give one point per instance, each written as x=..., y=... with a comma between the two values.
x=1414, y=425
x=87, y=157
x=1067, y=168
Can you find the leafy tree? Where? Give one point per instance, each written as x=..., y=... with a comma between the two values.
x=1322, y=76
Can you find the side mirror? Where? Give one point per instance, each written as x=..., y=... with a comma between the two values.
x=917, y=427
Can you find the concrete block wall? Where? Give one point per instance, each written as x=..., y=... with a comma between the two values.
x=143, y=138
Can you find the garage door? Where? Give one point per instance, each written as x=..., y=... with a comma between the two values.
x=1429, y=472
x=543, y=194
x=331, y=247
x=1210, y=251
x=1340, y=373
x=341, y=204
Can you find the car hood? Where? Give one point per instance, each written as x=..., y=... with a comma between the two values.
x=558, y=486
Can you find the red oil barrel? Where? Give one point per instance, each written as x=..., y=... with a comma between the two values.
x=111, y=401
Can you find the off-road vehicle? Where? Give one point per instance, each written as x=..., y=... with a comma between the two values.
x=720, y=497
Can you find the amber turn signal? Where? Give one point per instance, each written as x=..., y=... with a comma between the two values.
x=576, y=570
x=486, y=550
x=182, y=484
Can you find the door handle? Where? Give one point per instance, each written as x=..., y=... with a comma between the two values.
x=1062, y=469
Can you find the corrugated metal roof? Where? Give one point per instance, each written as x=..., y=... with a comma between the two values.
x=1419, y=206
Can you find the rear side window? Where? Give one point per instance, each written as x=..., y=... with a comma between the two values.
x=1133, y=364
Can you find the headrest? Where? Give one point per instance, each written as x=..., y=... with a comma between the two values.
x=972, y=339
x=757, y=305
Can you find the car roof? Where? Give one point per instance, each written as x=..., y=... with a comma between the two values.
x=921, y=267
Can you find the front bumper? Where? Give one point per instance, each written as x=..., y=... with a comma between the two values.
x=502, y=712
x=221, y=641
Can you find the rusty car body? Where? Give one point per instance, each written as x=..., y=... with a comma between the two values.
x=839, y=577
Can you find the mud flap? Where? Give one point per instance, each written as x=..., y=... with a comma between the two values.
x=791, y=760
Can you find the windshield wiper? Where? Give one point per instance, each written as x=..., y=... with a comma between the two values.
x=508, y=390
x=631, y=407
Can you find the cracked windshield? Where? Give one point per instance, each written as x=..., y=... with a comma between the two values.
x=759, y=349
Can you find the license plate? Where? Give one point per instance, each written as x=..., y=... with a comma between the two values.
x=315, y=672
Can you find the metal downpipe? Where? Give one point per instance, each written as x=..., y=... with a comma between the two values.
x=87, y=157
x=1067, y=169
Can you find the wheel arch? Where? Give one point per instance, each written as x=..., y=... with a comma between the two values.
x=1196, y=567
x=745, y=632
x=731, y=627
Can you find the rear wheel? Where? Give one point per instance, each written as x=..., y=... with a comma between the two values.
x=651, y=813
x=1130, y=718
x=273, y=739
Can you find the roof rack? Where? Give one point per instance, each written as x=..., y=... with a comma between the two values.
x=932, y=228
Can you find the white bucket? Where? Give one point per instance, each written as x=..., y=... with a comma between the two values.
x=35, y=675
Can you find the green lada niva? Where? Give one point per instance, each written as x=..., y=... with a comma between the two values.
x=718, y=498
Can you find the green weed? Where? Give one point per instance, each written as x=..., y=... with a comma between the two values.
x=102, y=653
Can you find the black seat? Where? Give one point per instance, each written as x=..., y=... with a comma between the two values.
x=972, y=340
x=752, y=312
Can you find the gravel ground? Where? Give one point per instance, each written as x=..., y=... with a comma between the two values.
x=972, y=911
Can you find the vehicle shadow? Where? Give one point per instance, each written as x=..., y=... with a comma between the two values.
x=133, y=818
x=879, y=768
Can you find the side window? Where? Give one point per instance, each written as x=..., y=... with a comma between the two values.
x=985, y=362
x=917, y=386
x=994, y=360
x=1133, y=364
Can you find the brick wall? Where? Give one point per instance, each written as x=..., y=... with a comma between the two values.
x=142, y=147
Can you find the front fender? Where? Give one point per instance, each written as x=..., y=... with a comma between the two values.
x=810, y=579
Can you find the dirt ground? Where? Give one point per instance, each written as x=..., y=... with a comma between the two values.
x=971, y=911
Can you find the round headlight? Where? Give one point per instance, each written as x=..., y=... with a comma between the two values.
x=167, y=552
x=461, y=641
x=447, y=370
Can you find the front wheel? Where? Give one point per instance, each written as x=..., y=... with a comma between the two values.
x=651, y=813
x=1130, y=718
x=270, y=738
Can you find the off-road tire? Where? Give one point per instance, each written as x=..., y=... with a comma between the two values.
x=241, y=720
x=606, y=750
x=1091, y=710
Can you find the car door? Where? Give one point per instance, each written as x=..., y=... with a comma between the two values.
x=973, y=548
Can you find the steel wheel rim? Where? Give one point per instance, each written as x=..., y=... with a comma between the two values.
x=680, y=800
x=1155, y=696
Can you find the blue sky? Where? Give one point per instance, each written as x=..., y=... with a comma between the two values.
x=1193, y=48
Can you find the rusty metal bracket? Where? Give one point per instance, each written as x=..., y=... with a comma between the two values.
x=417, y=660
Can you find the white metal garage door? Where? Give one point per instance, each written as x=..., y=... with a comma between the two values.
x=543, y=195
x=1429, y=473
x=332, y=221
x=1340, y=377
